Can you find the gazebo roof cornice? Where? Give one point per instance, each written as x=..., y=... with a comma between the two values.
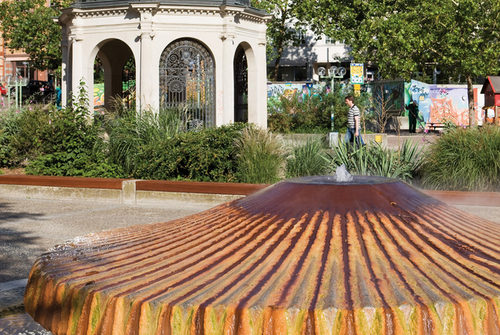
x=113, y=3
x=91, y=8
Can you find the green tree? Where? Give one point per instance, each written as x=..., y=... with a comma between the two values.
x=405, y=37
x=282, y=30
x=466, y=38
x=29, y=25
x=386, y=33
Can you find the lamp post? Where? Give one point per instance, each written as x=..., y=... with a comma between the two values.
x=334, y=72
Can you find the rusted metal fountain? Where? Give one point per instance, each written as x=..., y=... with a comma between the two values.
x=305, y=256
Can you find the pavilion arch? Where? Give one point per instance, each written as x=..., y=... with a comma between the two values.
x=245, y=80
x=187, y=80
x=114, y=55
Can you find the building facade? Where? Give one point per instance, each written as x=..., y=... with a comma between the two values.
x=15, y=64
x=313, y=56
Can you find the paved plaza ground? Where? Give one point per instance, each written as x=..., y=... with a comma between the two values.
x=28, y=227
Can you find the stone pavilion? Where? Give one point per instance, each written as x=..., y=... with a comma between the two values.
x=205, y=56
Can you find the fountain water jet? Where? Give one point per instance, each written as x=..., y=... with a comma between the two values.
x=311, y=255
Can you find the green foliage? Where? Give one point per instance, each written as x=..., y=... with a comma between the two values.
x=21, y=134
x=312, y=114
x=71, y=144
x=279, y=31
x=402, y=37
x=7, y=126
x=205, y=155
x=374, y=160
x=260, y=156
x=464, y=159
x=29, y=25
x=308, y=159
x=129, y=132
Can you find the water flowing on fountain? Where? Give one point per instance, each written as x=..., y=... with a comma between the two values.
x=342, y=175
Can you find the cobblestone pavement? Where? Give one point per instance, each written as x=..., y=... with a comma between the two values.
x=29, y=227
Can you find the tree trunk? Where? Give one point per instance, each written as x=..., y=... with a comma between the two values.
x=277, y=64
x=470, y=95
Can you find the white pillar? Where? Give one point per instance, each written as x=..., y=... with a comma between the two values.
x=65, y=74
x=147, y=65
x=79, y=67
x=260, y=77
x=227, y=86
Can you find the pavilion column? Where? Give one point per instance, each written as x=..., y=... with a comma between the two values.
x=257, y=80
x=147, y=64
x=65, y=66
x=226, y=65
x=80, y=64
x=227, y=86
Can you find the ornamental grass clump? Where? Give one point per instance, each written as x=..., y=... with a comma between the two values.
x=308, y=159
x=374, y=160
x=260, y=156
x=130, y=132
x=464, y=159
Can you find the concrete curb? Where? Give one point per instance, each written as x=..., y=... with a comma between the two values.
x=132, y=192
x=125, y=191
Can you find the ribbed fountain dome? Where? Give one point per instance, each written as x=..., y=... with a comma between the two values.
x=304, y=256
x=109, y=3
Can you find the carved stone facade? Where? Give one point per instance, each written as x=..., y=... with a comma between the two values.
x=115, y=31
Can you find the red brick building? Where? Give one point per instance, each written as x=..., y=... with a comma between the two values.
x=16, y=63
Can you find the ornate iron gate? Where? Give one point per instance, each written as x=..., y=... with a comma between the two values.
x=187, y=81
x=240, y=86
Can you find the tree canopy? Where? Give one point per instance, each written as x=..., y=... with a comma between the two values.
x=402, y=37
x=282, y=29
x=29, y=25
x=406, y=37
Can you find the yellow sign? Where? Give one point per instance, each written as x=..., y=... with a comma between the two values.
x=357, y=73
x=357, y=89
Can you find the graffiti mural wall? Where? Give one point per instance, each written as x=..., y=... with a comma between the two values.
x=289, y=90
x=99, y=95
x=440, y=103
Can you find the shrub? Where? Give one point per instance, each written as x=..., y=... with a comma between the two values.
x=260, y=156
x=464, y=159
x=205, y=155
x=21, y=134
x=374, y=160
x=129, y=132
x=308, y=159
x=5, y=149
x=76, y=162
x=71, y=145
x=311, y=114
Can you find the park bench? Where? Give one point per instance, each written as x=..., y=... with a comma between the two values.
x=435, y=126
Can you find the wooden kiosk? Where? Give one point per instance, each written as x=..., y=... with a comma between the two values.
x=491, y=91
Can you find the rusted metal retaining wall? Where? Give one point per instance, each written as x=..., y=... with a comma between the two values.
x=121, y=190
x=132, y=191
